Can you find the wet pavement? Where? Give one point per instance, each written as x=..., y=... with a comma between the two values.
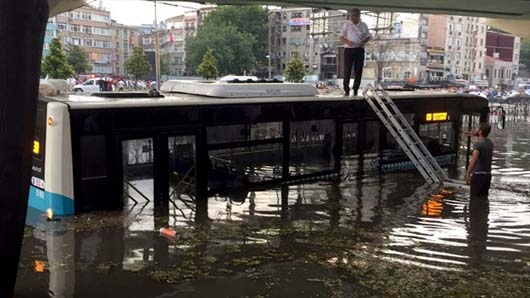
x=369, y=236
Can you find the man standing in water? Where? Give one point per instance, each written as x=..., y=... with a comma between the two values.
x=354, y=35
x=479, y=171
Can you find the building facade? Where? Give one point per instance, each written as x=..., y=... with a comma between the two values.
x=465, y=47
x=505, y=47
x=51, y=33
x=498, y=72
x=398, y=51
x=91, y=29
x=124, y=39
x=312, y=34
x=437, y=32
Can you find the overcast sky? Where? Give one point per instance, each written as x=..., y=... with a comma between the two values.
x=133, y=12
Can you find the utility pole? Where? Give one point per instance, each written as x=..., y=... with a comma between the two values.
x=269, y=57
x=157, y=51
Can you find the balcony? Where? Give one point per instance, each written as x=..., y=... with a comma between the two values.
x=435, y=65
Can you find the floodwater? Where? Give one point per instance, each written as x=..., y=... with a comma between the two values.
x=369, y=236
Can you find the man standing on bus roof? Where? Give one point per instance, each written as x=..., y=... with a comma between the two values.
x=354, y=36
x=478, y=173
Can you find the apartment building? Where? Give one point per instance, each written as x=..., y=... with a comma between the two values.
x=124, y=38
x=312, y=34
x=91, y=29
x=502, y=64
x=398, y=51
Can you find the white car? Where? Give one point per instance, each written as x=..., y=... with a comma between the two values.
x=239, y=78
x=89, y=86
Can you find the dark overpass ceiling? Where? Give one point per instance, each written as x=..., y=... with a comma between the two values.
x=505, y=9
x=509, y=15
x=512, y=9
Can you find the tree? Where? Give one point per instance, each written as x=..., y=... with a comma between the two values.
x=208, y=68
x=137, y=64
x=55, y=64
x=381, y=57
x=233, y=49
x=77, y=57
x=295, y=71
x=165, y=68
x=525, y=52
x=252, y=20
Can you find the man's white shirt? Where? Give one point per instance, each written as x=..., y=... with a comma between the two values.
x=355, y=33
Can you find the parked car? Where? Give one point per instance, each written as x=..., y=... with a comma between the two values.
x=89, y=86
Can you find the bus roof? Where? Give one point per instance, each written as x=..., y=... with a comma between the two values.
x=79, y=102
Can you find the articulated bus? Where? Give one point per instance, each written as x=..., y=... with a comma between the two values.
x=93, y=152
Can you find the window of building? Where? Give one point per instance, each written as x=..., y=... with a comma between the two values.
x=75, y=15
x=87, y=29
x=61, y=26
x=101, y=18
x=86, y=16
x=296, y=14
x=75, y=28
x=284, y=28
x=296, y=28
x=76, y=41
x=101, y=31
x=87, y=42
x=50, y=34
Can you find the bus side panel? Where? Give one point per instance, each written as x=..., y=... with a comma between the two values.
x=36, y=190
x=58, y=173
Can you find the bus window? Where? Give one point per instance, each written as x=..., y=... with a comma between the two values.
x=93, y=156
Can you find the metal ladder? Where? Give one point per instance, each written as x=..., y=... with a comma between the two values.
x=404, y=134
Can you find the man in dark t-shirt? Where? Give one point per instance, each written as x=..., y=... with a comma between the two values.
x=478, y=174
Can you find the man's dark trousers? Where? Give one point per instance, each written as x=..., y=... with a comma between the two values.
x=353, y=57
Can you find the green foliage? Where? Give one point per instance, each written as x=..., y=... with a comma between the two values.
x=55, y=64
x=233, y=49
x=208, y=68
x=137, y=64
x=295, y=71
x=525, y=52
x=246, y=19
x=239, y=35
x=77, y=57
x=164, y=64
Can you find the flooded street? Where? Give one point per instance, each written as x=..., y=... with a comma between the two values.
x=369, y=236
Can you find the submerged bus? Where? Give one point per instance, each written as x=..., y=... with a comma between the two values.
x=93, y=152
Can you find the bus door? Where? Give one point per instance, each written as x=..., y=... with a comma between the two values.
x=137, y=163
x=469, y=122
x=182, y=172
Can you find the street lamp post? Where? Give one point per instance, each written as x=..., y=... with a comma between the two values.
x=157, y=51
x=269, y=56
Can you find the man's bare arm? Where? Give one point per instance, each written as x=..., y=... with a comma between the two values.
x=346, y=42
x=472, y=165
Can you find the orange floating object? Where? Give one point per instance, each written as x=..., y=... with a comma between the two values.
x=437, y=196
x=446, y=191
x=168, y=232
x=39, y=266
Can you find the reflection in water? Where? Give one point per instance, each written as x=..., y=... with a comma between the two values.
x=477, y=228
x=233, y=243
